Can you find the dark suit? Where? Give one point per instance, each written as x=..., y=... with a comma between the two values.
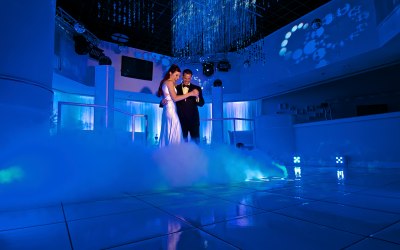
x=189, y=114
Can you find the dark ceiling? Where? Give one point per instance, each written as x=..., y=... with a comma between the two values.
x=150, y=20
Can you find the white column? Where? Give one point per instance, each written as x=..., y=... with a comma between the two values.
x=26, y=67
x=104, y=96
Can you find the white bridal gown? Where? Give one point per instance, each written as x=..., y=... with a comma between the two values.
x=171, y=132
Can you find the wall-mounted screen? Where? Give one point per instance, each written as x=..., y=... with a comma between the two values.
x=136, y=68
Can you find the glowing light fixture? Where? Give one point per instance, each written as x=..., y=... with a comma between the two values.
x=340, y=160
x=340, y=174
x=297, y=172
x=79, y=28
x=208, y=69
x=11, y=174
x=208, y=27
x=296, y=159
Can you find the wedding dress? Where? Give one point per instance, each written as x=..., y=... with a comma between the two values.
x=171, y=131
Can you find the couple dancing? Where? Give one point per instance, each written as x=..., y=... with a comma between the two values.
x=182, y=118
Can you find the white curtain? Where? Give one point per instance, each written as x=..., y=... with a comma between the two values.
x=82, y=118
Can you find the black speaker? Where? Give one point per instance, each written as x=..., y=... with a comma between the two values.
x=224, y=66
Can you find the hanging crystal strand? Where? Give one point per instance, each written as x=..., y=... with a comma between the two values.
x=148, y=17
x=129, y=13
x=152, y=19
x=137, y=14
x=134, y=13
x=119, y=12
x=99, y=9
x=203, y=28
x=143, y=15
x=108, y=10
x=124, y=11
x=114, y=11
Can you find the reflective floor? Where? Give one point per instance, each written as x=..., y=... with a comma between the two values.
x=315, y=208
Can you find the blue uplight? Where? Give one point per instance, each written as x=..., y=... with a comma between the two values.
x=339, y=160
x=340, y=175
x=297, y=172
x=11, y=174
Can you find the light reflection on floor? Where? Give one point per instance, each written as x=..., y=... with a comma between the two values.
x=321, y=208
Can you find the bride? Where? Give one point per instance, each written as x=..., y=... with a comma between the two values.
x=171, y=132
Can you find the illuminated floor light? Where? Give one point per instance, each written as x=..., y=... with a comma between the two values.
x=297, y=172
x=340, y=175
x=11, y=174
x=340, y=160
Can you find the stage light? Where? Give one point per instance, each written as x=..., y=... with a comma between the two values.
x=340, y=174
x=297, y=172
x=79, y=28
x=296, y=159
x=340, y=163
x=11, y=174
x=223, y=66
x=340, y=160
x=217, y=83
x=208, y=69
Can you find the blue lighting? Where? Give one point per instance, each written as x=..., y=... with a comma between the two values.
x=297, y=172
x=339, y=160
x=340, y=175
x=11, y=174
x=296, y=159
x=313, y=38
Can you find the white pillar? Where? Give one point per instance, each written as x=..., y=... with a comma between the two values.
x=217, y=113
x=104, y=96
x=26, y=67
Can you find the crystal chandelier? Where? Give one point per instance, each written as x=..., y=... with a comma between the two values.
x=209, y=27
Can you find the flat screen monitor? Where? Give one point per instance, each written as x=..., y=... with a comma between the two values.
x=136, y=68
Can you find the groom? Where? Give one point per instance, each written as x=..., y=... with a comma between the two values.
x=187, y=109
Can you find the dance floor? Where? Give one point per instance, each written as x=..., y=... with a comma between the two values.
x=320, y=209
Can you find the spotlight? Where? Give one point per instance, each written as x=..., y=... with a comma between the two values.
x=340, y=160
x=208, y=69
x=217, y=83
x=297, y=172
x=120, y=38
x=340, y=174
x=296, y=159
x=79, y=28
x=224, y=66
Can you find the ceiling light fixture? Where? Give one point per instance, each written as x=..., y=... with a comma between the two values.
x=208, y=27
x=79, y=28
